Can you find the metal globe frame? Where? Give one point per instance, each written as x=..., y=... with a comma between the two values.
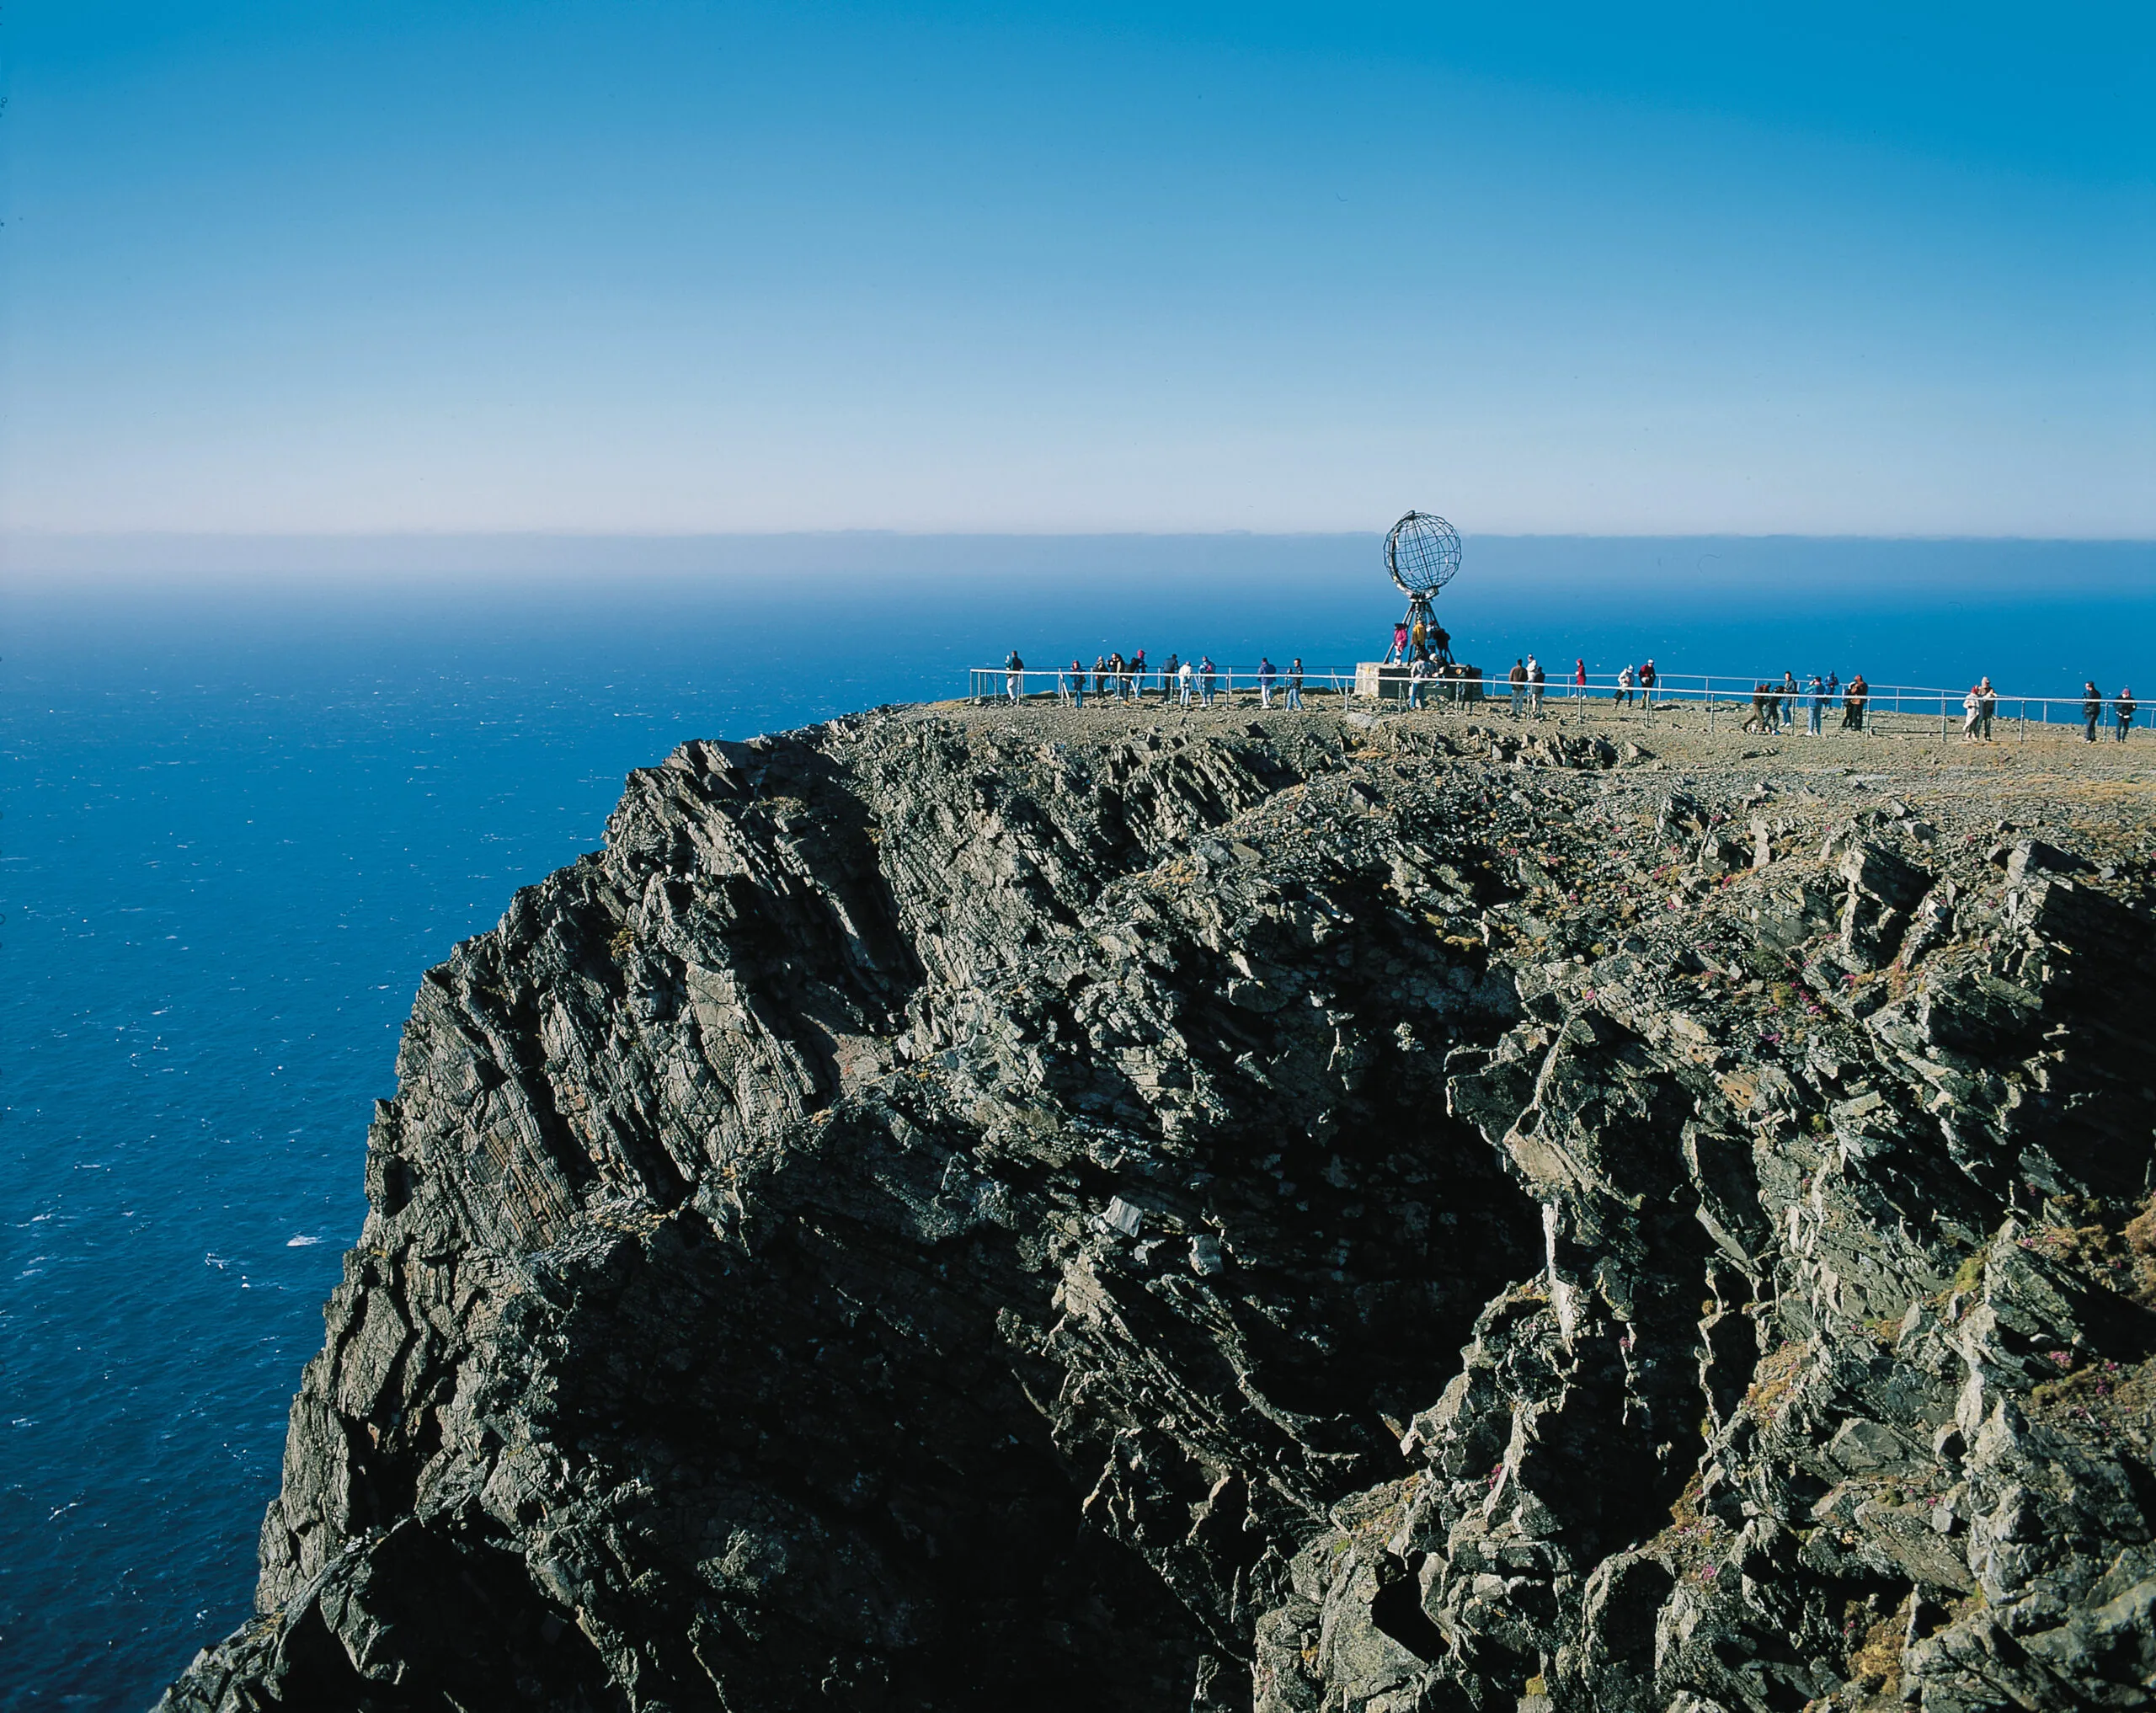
x=1421, y=554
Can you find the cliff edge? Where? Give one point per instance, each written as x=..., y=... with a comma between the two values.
x=986, y=1209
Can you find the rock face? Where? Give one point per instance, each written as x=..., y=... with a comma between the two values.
x=1005, y=1209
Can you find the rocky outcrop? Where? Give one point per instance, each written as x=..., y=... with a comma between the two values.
x=1011, y=1209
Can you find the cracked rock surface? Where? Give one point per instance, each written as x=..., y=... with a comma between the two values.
x=968, y=1208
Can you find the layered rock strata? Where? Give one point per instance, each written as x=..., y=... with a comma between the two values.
x=978, y=1209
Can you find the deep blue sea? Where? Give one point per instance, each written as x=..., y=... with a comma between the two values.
x=246, y=806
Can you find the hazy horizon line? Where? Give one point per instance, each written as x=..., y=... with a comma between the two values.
x=895, y=533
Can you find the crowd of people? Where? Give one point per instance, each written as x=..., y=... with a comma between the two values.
x=1187, y=683
x=1431, y=675
x=1776, y=703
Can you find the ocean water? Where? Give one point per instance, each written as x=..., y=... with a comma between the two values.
x=245, y=812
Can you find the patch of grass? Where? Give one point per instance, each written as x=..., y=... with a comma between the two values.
x=1876, y=1661
x=623, y=945
x=1774, y=1378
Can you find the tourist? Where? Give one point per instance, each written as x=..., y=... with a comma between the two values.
x=1973, y=711
x=1185, y=676
x=1579, y=679
x=1535, y=679
x=1627, y=682
x=1014, y=676
x=1168, y=678
x=1647, y=681
x=1265, y=676
x=1852, y=703
x=1205, y=671
x=1076, y=696
x=1986, y=705
x=2123, y=709
x=1815, y=706
x=1421, y=640
x=1137, y=669
x=1517, y=678
x=1296, y=683
x=1399, y=649
x=2092, y=711
x=1100, y=674
x=1419, y=675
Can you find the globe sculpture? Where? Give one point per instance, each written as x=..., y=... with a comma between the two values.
x=1422, y=553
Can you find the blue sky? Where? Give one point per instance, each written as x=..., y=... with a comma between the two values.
x=658, y=267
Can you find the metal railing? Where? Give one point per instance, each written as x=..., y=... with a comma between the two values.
x=1721, y=702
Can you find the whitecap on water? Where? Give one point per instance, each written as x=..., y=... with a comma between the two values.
x=301, y=1242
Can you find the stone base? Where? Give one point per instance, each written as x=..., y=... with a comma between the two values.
x=1380, y=682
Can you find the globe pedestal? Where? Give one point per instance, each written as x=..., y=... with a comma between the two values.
x=1376, y=681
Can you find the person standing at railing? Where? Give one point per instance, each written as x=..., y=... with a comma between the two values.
x=1972, y=713
x=2123, y=710
x=2092, y=711
x=1206, y=670
x=1399, y=649
x=1647, y=681
x=1626, y=680
x=1517, y=678
x=1579, y=678
x=1419, y=675
x=1536, y=677
x=1987, y=707
x=1077, y=683
x=1014, y=676
x=1185, y=675
x=1138, y=676
x=1265, y=677
x=1168, y=677
x=1853, y=704
x=1296, y=684
x=1100, y=674
x=1815, y=706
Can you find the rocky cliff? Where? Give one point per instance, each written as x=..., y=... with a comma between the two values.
x=1010, y=1209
